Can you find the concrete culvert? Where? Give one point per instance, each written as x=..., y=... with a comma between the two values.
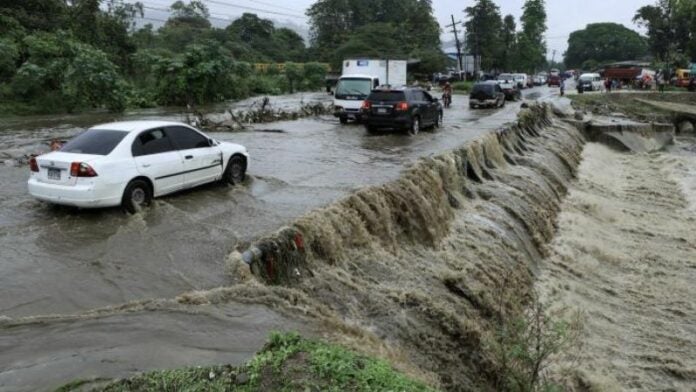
x=685, y=127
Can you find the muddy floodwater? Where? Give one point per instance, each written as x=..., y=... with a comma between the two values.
x=79, y=287
x=625, y=256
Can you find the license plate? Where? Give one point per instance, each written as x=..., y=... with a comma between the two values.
x=381, y=111
x=54, y=174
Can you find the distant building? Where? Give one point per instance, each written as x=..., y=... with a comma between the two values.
x=468, y=65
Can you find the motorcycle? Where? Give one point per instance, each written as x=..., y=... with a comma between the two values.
x=447, y=99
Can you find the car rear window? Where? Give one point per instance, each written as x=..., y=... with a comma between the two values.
x=387, y=96
x=486, y=88
x=95, y=142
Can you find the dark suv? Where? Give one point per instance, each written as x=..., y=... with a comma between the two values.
x=487, y=94
x=407, y=108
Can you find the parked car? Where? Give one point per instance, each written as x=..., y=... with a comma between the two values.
x=130, y=163
x=554, y=80
x=488, y=94
x=505, y=77
x=512, y=93
x=590, y=82
x=405, y=108
x=521, y=80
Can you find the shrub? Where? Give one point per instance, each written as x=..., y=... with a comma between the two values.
x=462, y=87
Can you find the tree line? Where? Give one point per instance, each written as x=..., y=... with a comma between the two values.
x=65, y=56
x=670, y=41
x=70, y=55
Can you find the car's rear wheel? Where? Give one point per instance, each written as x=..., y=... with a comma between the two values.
x=235, y=173
x=415, y=126
x=137, y=195
x=371, y=129
x=438, y=120
x=343, y=120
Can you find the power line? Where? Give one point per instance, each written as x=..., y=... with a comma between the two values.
x=227, y=17
x=273, y=5
x=256, y=9
x=220, y=17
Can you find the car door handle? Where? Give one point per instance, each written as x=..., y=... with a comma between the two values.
x=146, y=165
x=189, y=157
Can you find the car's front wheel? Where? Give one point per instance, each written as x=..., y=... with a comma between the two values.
x=137, y=195
x=235, y=171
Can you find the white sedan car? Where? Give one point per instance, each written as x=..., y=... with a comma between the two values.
x=129, y=163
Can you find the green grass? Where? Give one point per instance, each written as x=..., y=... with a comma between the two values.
x=462, y=87
x=287, y=363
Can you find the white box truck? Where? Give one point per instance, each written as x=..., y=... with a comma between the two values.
x=359, y=78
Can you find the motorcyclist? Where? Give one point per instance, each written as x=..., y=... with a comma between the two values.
x=447, y=94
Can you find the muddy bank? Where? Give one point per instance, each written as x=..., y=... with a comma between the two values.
x=262, y=110
x=669, y=108
x=625, y=255
x=410, y=269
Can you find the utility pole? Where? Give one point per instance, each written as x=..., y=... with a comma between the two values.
x=456, y=40
x=553, y=57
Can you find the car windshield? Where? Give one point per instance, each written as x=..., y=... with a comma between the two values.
x=360, y=87
x=505, y=77
x=586, y=78
x=377, y=96
x=95, y=142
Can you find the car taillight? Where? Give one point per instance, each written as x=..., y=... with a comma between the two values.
x=33, y=165
x=366, y=105
x=401, y=106
x=81, y=169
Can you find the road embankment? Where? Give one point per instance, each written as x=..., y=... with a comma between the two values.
x=412, y=269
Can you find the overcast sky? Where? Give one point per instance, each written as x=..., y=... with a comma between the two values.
x=564, y=16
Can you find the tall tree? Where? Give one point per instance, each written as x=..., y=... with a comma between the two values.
x=604, y=42
x=483, y=30
x=671, y=26
x=532, y=45
x=408, y=27
x=509, y=39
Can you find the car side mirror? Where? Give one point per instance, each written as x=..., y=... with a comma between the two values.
x=212, y=142
x=436, y=100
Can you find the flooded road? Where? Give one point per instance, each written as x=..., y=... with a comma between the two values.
x=61, y=261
